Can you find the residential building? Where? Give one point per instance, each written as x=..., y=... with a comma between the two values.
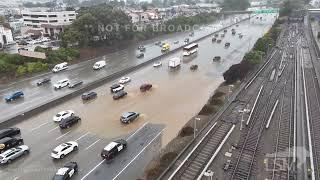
x=49, y=23
x=16, y=25
x=5, y=36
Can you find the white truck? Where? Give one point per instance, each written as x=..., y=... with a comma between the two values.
x=174, y=62
x=60, y=67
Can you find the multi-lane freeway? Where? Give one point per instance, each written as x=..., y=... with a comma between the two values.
x=175, y=97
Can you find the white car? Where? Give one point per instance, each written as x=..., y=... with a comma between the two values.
x=157, y=64
x=124, y=80
x=64, y=149
x=11, y=154
x=63, y=115
x=116, y=88
x=61, y=84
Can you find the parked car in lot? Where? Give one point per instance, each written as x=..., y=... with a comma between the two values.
x=140, y=55
x=113, y=149
x=157, y=64
x=43, y=81
x=69, y=121
x=222, y=35
x=128, y=117
x=66, y=172
x=9, y=142
x=119, y=95
x=225, y=30
x=63, y=115
x=145, y=87
x=9, y=132
x=13, y=153
x=124, y=80
x=214, y=39
x=61, y=84
x=219, y=40
x=75, y=83
x=176, y=42
x=216, y=35
x=14, y=96
x=227, y=44
x=116, y=88
x=89, y=95
x=64, y=149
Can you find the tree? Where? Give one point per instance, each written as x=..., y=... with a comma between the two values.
x=235, y=4
x=2, y=20
x=71, y=3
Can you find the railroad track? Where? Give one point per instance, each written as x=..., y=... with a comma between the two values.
x=195, y=163
x=242, y=165
x=312, y=91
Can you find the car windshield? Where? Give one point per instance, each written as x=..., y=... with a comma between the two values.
x=69, y=144
x=58, y=115
x=54, y=152
x=58, y=177
x=1, y=157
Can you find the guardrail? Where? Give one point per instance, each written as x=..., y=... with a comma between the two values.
x=58, y=100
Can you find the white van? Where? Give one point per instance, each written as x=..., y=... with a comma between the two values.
x=99, y=65
x=61, y=84
x=60, y=67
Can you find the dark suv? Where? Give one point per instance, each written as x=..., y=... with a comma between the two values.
x=14, y=96
x=145, y=87
x=43, y=81
x=8, y=132
x=119, y=95
x=89, y=95
x=128, y=117
x=8, y=142
x=69, y=121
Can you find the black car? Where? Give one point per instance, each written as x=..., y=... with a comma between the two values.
x=22, y=43
x=119, y=95
x=9, y=132
x=219, y=40
x=225, y=30
x=76, y=83
x=233, y=33
x=217, y=58
x=140, y=55
x=43, y=81
x=227, y=44
x=69, y=121
x=113, y=149
x=214, y=39
x=89, y=95
x=128, y=117
x=66, y=172
x=216, y=35
x=8, y=142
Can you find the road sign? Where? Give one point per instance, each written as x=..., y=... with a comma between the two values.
x=266, y=11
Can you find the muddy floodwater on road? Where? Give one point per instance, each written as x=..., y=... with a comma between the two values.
x=176, y=96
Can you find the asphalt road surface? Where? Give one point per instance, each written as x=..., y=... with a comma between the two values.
x=176, y=96
x=119, y=60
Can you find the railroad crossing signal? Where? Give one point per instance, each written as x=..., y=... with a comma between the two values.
x=266, y=11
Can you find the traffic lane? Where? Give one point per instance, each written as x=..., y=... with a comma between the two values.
x=112, y=170
x=39, y=163
x=167, y=86
x=38, y=96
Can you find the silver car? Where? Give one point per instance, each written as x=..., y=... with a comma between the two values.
x=11, y=154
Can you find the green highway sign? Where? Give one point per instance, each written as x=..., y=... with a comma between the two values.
x=265, y=11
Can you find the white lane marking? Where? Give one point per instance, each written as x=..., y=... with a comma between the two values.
x=53, y=129
x=39, y=126
x=63, y=135
x=137, y=131
x=93, y=169
x=16, y=178
x=82, y=136
x=138, y=155
x=93, y=144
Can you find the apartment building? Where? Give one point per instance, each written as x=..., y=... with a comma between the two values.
x=47, y=22
x=5, y=36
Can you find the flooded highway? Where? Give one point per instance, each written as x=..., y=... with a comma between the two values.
x=176, y=96
x=117, y=61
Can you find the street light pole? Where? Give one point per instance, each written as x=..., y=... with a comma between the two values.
x=195, y=127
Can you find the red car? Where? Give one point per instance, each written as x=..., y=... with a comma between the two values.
x=145, y=87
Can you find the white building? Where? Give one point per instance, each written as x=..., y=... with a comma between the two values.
x=5, y=36
x=16, y=25
x=48, y=22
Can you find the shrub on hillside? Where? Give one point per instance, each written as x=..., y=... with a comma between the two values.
x=207, y=110
x=186, y=131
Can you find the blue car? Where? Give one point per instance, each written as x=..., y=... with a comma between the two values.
x=14, y=96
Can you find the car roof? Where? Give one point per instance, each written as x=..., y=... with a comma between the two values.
x=6, y=129
x=110, y=146
x=60, y=147
x=62, y=171
x=126, y=114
